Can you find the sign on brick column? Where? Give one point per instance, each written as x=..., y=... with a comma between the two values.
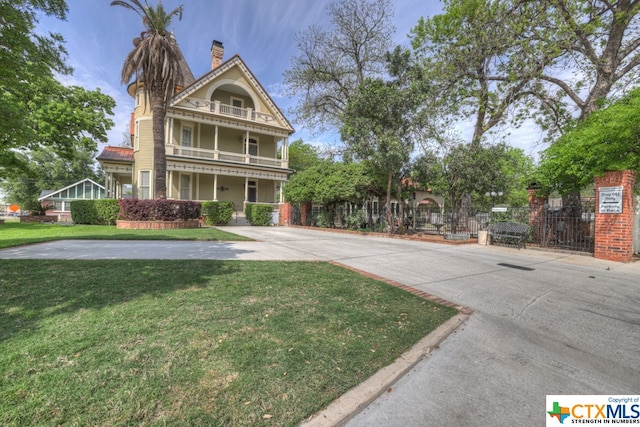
x=614, y=216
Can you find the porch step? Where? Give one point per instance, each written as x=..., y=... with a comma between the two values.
x=239, y=219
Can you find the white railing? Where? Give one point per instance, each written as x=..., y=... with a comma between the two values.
x=216, y=107
x=227, y=156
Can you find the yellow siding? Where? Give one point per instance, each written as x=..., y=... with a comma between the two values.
x=205, y=187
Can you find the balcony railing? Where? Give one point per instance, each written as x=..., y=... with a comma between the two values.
x=199, y=153
x=216, y=107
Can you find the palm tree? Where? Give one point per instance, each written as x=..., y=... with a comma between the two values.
x=155, y=62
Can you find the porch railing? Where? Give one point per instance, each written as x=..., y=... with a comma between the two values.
x=227, y=156
x=216, y=107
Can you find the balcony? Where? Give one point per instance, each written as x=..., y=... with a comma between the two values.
x=216, y=107
x=225, y=156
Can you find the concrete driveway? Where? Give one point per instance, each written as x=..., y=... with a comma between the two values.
x=543, y=323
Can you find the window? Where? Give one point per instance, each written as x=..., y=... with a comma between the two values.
x=186, y=136
x=237, y=104
x=252, y=193
x=138, y=97
x=185, y=187
x=253, y=147
x=145, y=185
x=87, y=190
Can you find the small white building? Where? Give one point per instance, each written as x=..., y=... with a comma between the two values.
x=61, y=199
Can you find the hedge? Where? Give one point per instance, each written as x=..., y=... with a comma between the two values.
x=259, y=214
x=95, y=212
x=158, y=210
x=217, y=213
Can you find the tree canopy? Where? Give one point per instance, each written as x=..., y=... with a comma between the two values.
x=609, y=139
x=37, y=110
x=333, y=62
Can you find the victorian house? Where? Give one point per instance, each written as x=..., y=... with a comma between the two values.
x=226, y=140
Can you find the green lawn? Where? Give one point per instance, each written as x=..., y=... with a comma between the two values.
x=190, y=343
x=13, y=233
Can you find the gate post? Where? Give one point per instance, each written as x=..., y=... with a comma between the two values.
x=536, y=212
x=285, y=213
x=614, y=216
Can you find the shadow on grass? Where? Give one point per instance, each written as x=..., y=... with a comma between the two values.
x=32, y=290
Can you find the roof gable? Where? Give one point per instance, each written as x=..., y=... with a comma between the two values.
x=218, y=72
x=50, y=194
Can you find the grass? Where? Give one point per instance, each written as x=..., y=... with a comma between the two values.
x=13, y=233
x=193, y=342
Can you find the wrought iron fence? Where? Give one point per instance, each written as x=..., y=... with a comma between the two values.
x=569, y=228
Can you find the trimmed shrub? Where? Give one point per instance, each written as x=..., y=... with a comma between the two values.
x=260, y=215
x=354, y=221
x=217, y=213
x=95, y=212
x=158, y=210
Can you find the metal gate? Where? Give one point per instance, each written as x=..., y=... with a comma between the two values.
x=570, y=228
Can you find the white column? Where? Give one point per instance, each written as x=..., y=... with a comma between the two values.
x=215, y=139
x=215, y=184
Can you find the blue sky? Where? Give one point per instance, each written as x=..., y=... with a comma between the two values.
x=98, y=37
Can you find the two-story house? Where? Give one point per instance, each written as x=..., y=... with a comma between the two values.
x=225, y=139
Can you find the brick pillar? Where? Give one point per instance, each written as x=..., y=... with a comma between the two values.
x=614, y=231
x=305, y=214
x=536, y=212
x=285, y=214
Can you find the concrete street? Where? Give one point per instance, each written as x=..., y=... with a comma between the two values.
x=543, y=323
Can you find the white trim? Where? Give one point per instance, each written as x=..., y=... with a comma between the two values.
x=69, y=186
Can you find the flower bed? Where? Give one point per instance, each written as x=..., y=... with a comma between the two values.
x=157, y=225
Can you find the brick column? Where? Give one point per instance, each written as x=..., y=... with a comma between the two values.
x=614, y=231
x=305, y=214
x=536, y=212
x=285, y=214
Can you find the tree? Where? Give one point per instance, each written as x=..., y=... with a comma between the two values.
x=302, y=156
x=329, y=183
x=472, y=169
x=28, y=62
x=609, y=139
x=155, y=64
x=378, y=121
x=332, y=63
x=479, y=61
x=598, y=41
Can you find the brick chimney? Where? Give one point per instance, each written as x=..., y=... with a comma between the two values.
x=217, y=52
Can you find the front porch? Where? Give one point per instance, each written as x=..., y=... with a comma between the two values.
x=225, y=156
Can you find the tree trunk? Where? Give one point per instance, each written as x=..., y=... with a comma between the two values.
x=159, y=151
x=388, y=212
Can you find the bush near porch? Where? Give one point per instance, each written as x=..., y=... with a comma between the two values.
x=217, y=213
x=95, y=212
x=158, y=210
x=260, y=215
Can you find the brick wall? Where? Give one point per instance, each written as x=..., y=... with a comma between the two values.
x=614, y=232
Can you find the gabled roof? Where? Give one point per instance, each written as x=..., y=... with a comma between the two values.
x=117, y=154
x=50, y=193
x=234, y=61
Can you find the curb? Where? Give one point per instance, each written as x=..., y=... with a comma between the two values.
x=355, y=400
